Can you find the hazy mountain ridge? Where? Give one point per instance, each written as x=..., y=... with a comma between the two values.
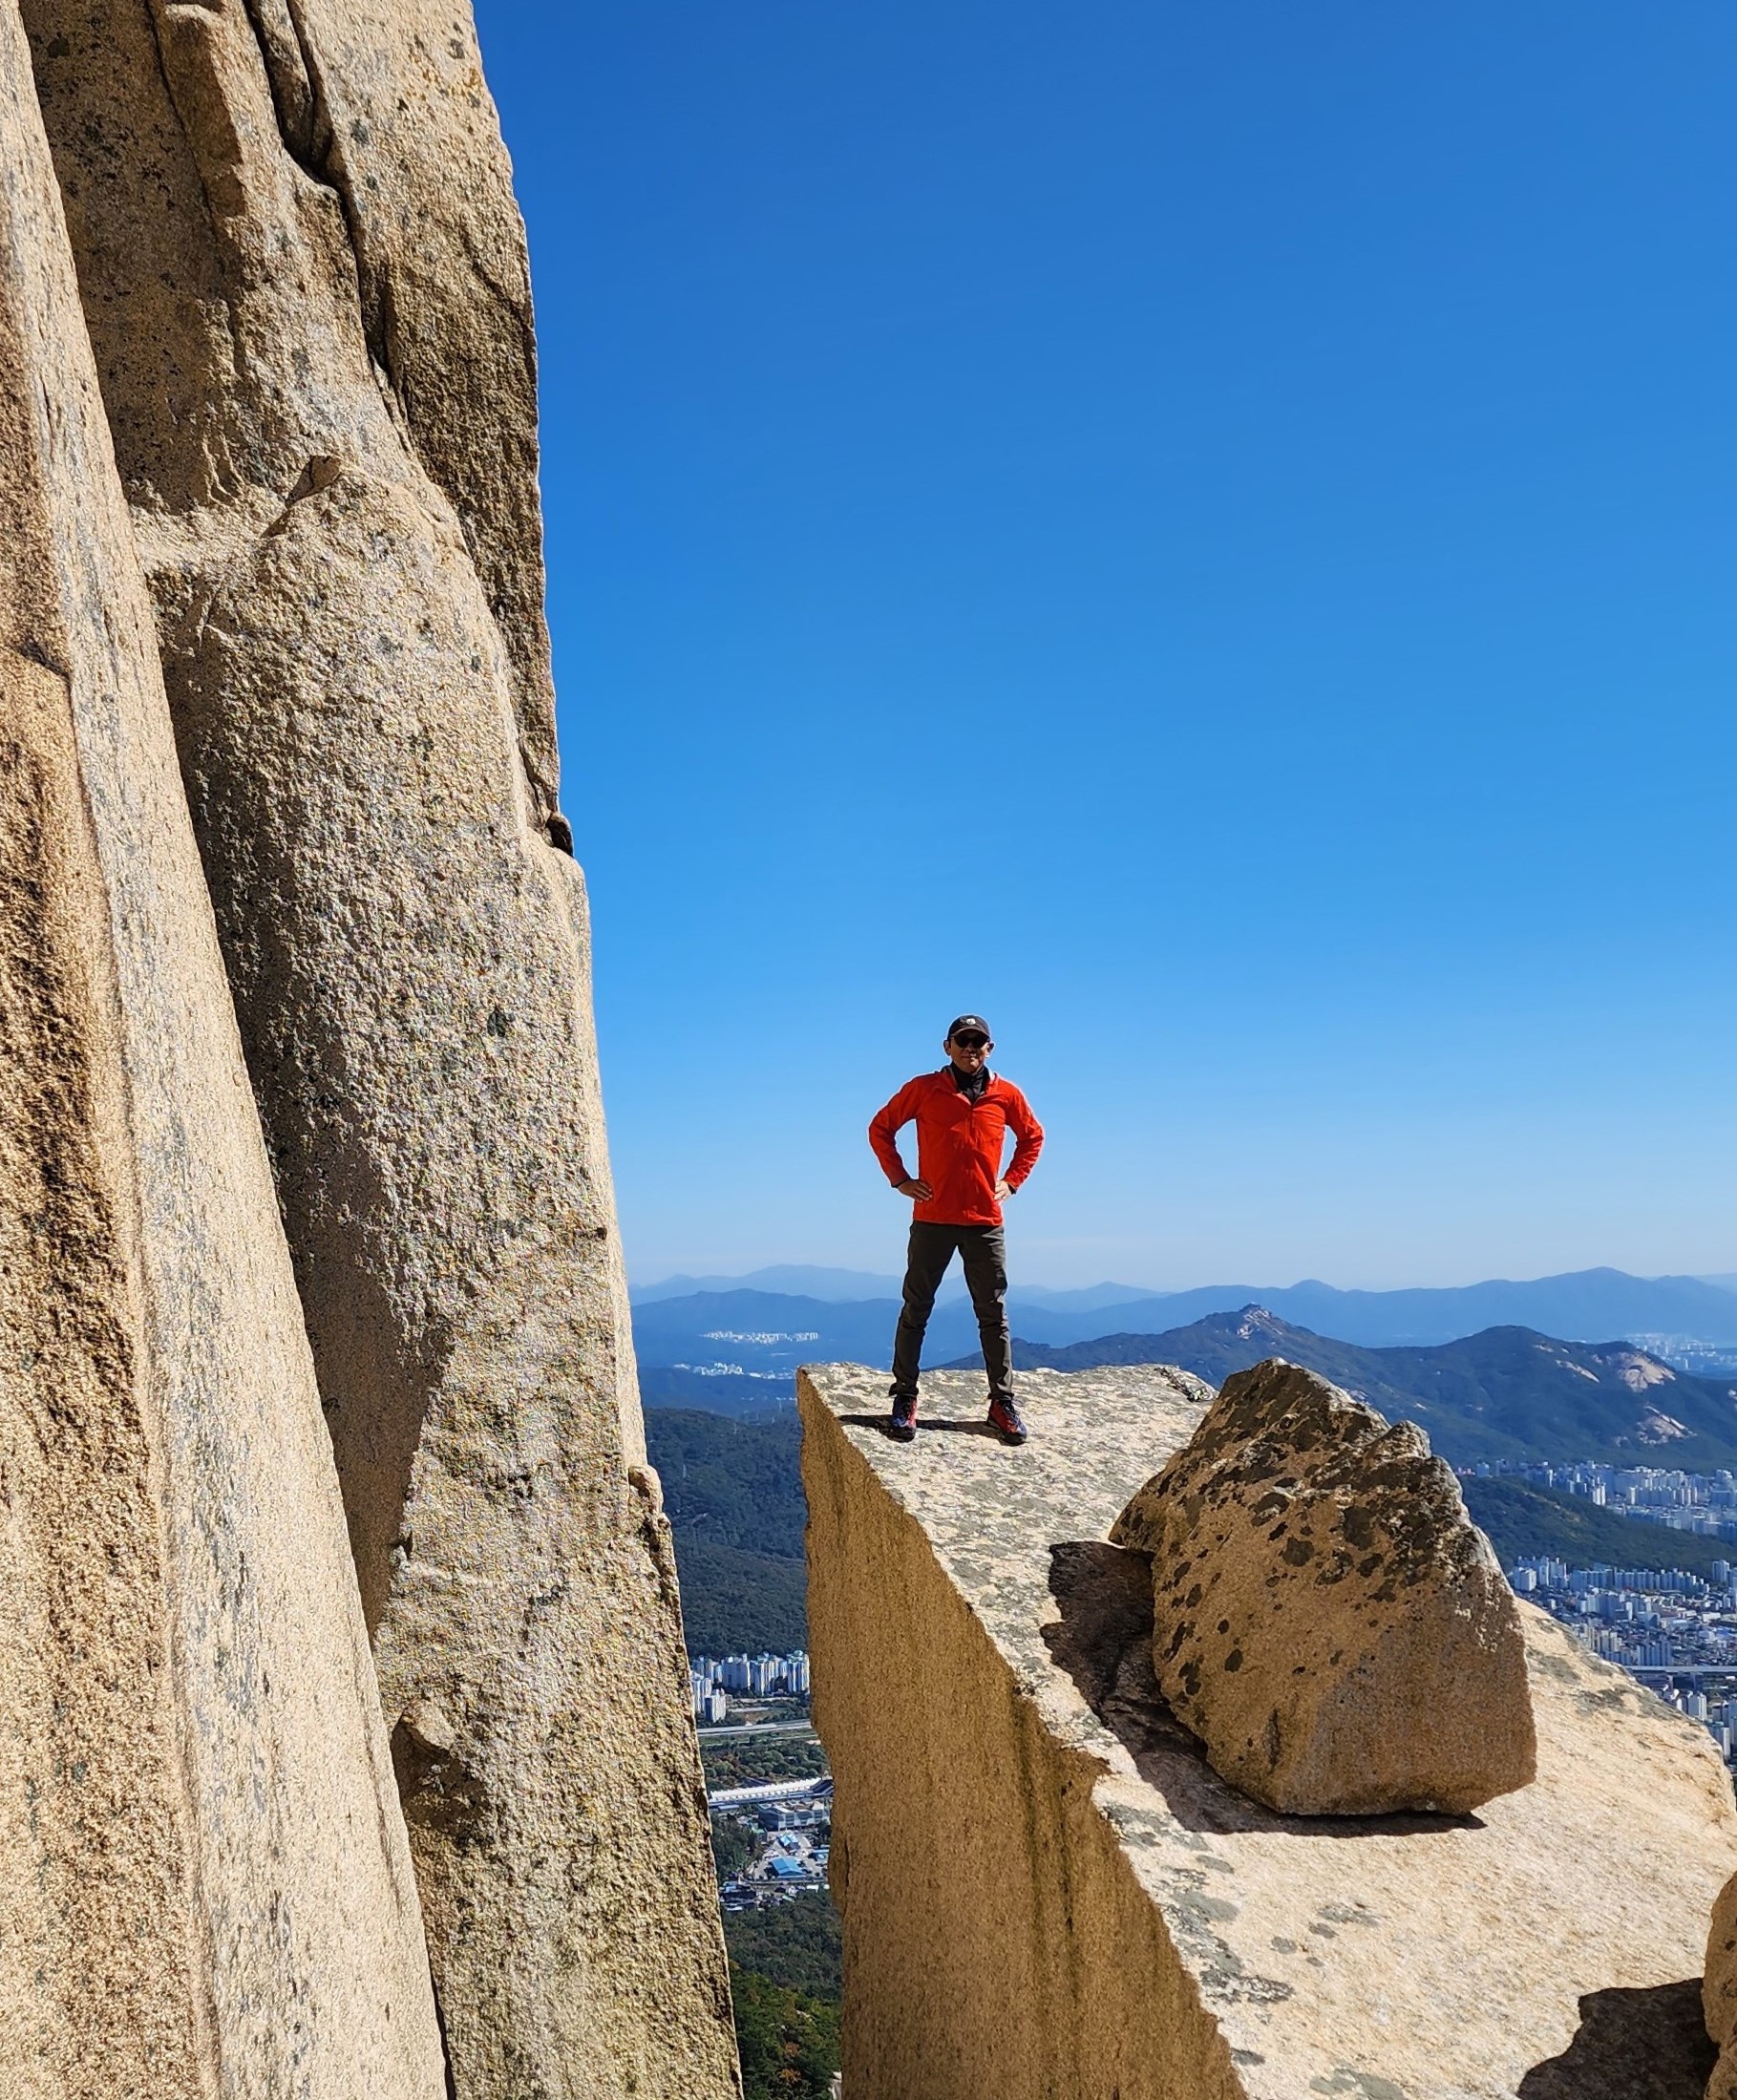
x=734, y=1490
x=1509, y=1393
x=772, y=1331
x=1588, y=1305
x=844, y=1286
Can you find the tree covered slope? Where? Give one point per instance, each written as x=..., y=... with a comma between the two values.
x=1505, y=1393
x=1523, y=1522
x=734, y=1494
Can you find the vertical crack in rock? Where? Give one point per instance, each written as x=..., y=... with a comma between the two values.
x=463, y=371
x=189, y=1729
x=305, y=123
x=410, y=961
x=302, y=123
x=464, y=366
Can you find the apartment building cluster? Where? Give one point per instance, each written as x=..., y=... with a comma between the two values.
x=1702, y=1502
x=1652, y=1620
x=761, y=1676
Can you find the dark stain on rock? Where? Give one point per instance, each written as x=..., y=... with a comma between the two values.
x=1358, y=1527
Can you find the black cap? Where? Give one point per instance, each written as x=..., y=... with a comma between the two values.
x=969, y=1020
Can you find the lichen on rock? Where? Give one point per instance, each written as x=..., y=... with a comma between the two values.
x=1327, y=1617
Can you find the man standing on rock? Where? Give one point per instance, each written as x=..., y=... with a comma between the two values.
x=962, y=1113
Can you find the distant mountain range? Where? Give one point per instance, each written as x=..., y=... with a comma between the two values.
x=752, y=1330
x=734, y=1497
x=787, y=1280
x=735, y=1351
x=1588, y=1305
x=1509, y=1393
x=721, y=1337
x=840, y=1286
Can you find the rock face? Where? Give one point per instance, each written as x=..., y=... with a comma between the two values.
x=384, y=101
x=1326, y=1618
x=204, y=1883
x=306, y=284
x=1719, y=1992
x=1058, y=1896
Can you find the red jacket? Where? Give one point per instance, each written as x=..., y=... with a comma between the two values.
x=959, y=1144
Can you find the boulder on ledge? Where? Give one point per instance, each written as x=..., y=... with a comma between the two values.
x=1049, y=1895
x=1325, y=1616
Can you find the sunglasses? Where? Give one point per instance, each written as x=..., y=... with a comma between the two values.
x=972, y=1042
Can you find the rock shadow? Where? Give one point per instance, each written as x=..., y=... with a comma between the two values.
x=1103, y=1641
x=1631, y=2045
x=926, y=1425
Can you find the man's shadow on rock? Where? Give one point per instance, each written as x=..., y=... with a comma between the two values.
x=973, y=1425
x=1631, y=2045
x=1103, y=1641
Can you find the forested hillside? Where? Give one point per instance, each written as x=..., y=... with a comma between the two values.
x=734, y=1494
x=1522, y=1522
x=1505, y=1393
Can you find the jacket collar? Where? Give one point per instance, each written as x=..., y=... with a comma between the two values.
x=949, y=1072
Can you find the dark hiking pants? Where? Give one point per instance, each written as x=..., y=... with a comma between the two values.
x=984, y=1250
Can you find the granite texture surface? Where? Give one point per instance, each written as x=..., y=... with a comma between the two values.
x=1048, y=1891
x=1328, y=1620
x=303, y=276
x=206, y=1887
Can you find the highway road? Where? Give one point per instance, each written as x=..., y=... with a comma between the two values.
x=759, y=1728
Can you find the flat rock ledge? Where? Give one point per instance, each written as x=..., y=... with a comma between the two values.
x=1327, y=1617
x=1048, y=1891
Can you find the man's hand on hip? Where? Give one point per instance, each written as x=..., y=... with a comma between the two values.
x=1003, y=1190
x=918, y=1192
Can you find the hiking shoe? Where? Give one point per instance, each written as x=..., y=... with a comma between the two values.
x=901, y=1423
x=1005, y=1416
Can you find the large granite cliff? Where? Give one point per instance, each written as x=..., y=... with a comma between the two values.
x=290, y=228
x=204, y=1883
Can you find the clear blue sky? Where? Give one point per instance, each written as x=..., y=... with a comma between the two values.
x=1204, y=533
